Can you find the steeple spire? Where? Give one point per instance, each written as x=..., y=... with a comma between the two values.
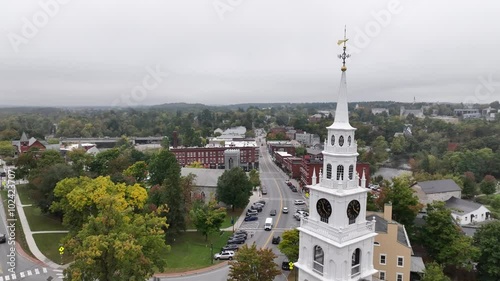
x=341, y=113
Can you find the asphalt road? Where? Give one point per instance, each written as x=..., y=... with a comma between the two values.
x=13, y=266
x=279, y=195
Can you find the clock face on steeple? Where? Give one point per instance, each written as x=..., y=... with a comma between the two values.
x=324, y=209
x=353, y=210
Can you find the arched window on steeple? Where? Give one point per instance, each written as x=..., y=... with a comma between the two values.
x=332, y=140
x=349, y=141
x=351, y=171
x=355, y=263
x=319, y=260
x=341, y=141
x=340, y=172
x=328, y=171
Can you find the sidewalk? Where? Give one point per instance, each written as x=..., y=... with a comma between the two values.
x=28, y=234
x=254, y=198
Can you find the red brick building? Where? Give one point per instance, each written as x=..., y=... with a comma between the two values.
x=273, y=146
x=246, y=157
x=292, y=166
x=24, y=144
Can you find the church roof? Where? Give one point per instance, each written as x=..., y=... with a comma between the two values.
x=204, y=177
x=24, y=137
x=341, y=120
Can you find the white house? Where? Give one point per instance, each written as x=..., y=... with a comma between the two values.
x=467, y=212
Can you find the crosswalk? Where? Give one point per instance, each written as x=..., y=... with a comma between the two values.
x=31, y=272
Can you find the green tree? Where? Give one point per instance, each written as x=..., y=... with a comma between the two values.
x=379, y=148
x=234, y=188
x=289, y=244
x=79, y=160
x=469, y=189
x=138, y=171
x=25, y=163
x=79, y=198
x=254, y=178
x=405, y=204
x=42, y=183
x=7, y=149
x=253, y=264
x=443, y=239
x=488, y=185
x=300, y=151
x=207, y=218
x=162, y=166
x=434, y=272
x=117, y=244
x=398, y=145
x=487, y=239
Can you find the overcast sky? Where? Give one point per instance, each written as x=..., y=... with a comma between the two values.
x=145, y=52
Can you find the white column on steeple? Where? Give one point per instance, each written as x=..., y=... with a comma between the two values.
x=313, y=179
x=363, y=179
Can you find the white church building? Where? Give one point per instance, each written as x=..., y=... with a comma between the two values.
x=336, y=240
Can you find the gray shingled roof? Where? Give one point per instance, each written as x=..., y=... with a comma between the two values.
x=460, y=206
x=204, y=177
x=381, y=226
x=439, y=186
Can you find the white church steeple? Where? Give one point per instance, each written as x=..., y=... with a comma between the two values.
x=336, y=240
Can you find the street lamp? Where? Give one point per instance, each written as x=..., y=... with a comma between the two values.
x=212, y=252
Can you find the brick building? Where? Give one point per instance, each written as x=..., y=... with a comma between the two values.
x=246, y=157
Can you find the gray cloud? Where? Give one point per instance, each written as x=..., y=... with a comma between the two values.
x=93, y=52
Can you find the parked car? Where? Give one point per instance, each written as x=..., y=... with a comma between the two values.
x=299, y=202
x=264, y=191
x=251, y=212
x=3, y=238
x=236, y=240
x=258, y=208
x=285, y=265
x=272, y=213
x=276, y=240
x=263, y=202
x=224, y=255
x=285, y=210
x=241, y=231
x=238, y=236
x=251, y=218
x=230, y=247
x=294, y=189
x=288, y=182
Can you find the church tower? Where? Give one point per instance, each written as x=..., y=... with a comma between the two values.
x=336, y=241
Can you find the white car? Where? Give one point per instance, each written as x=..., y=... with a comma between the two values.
x=285, y=210
x=224, y=255
x=299, y=202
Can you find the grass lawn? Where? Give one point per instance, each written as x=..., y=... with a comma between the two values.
x=234, y=215
x=23, y=193
x=41, y=222
x=20, y=238
x=48, y=243
x=191, y=251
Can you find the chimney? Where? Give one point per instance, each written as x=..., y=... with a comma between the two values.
x=388, y=212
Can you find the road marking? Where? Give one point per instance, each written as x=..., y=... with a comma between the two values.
x=13, y=276
x=37, y=271
x=22, y=274
x=7, y=277
x=29, y=272
x=1, y=278
x=44, y=270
